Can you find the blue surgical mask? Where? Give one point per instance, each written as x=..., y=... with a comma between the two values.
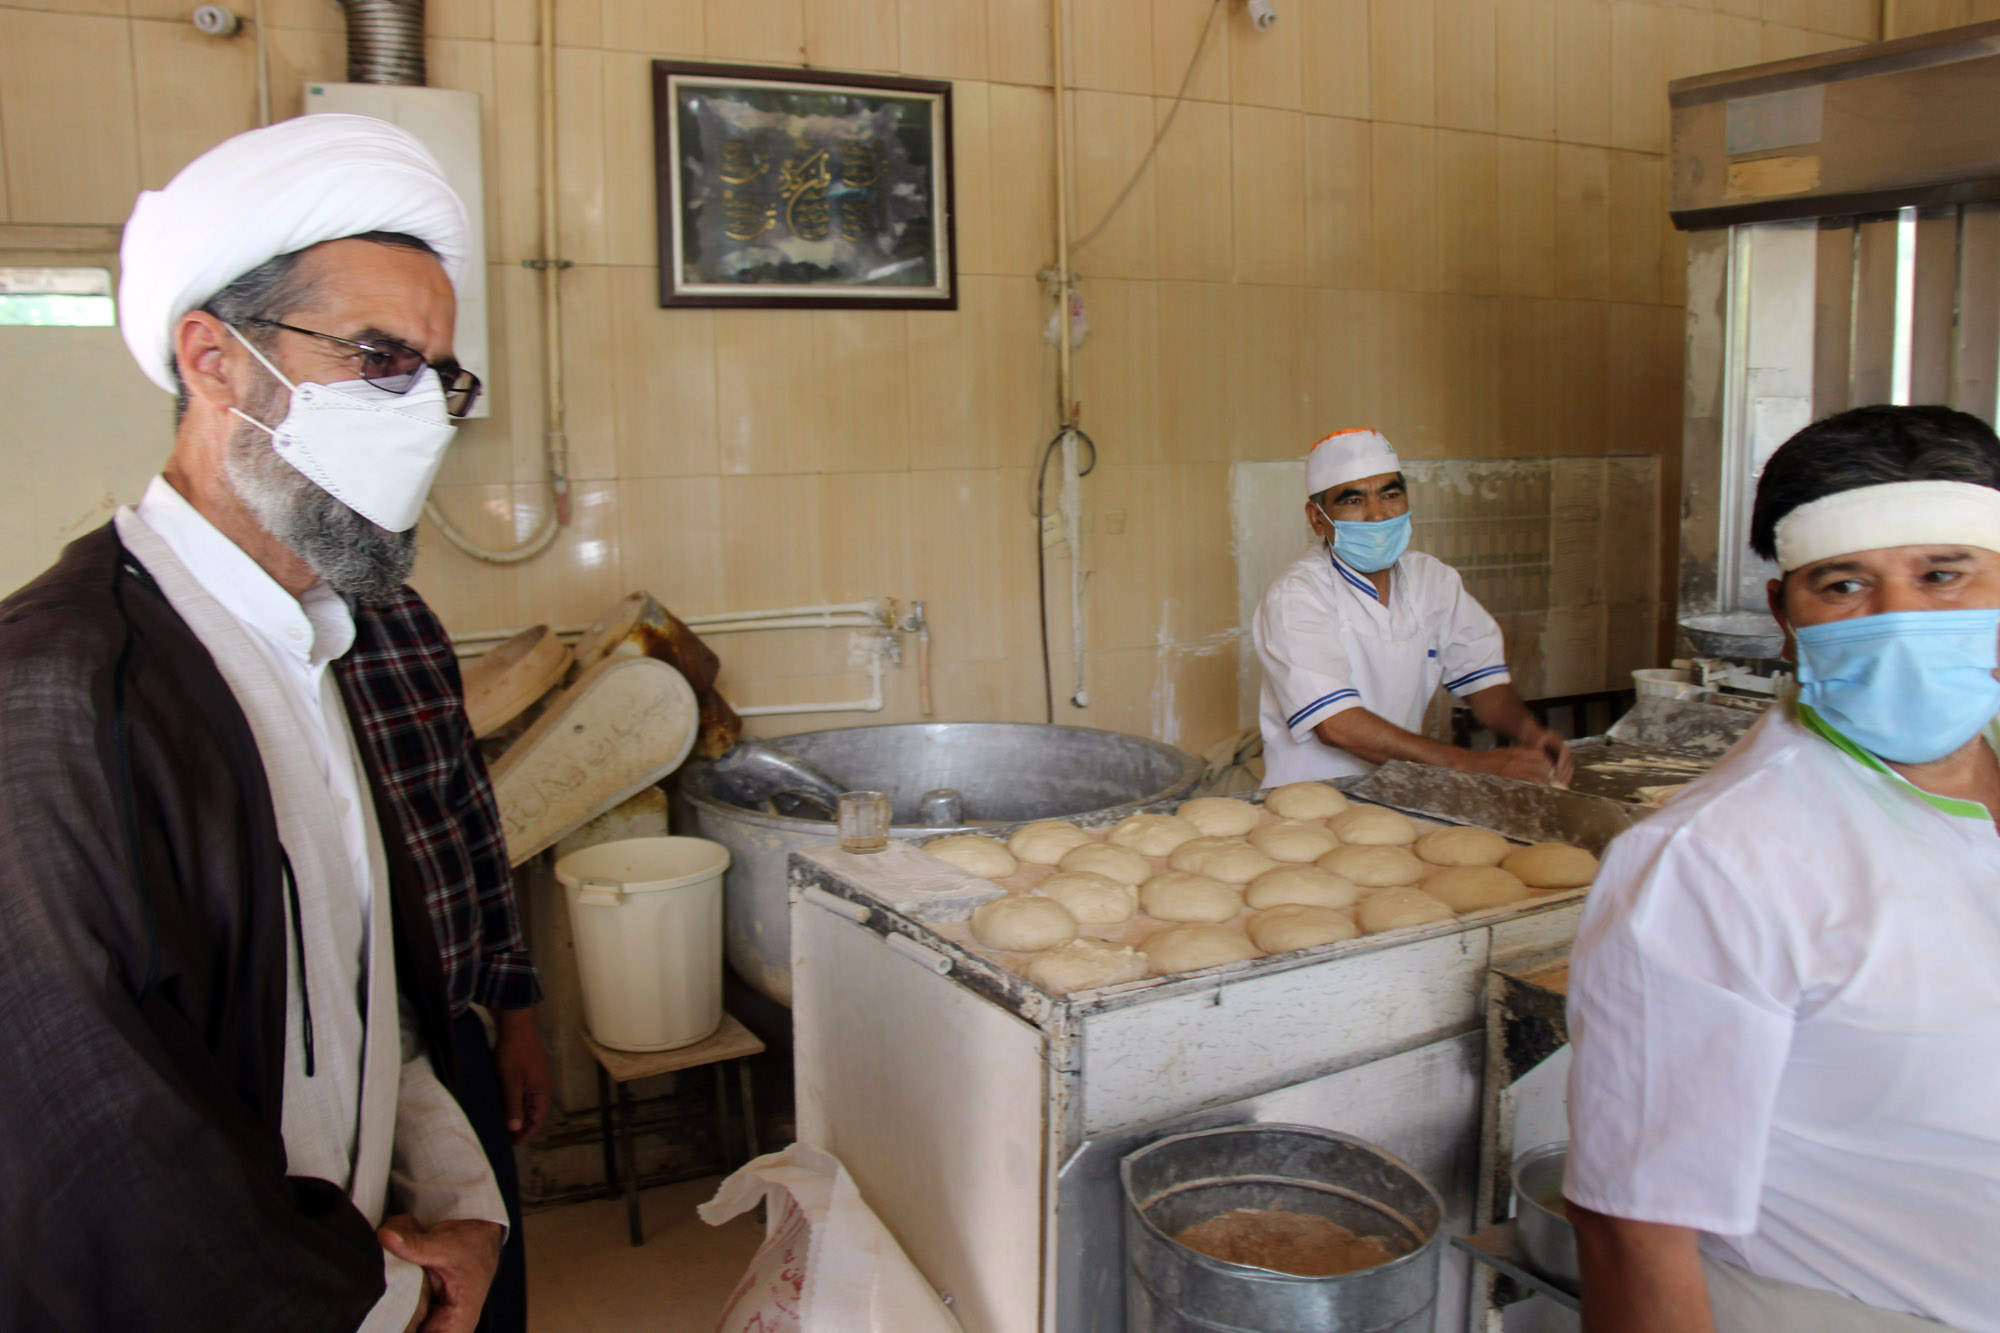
x=1911, y=686
x=1370, y=547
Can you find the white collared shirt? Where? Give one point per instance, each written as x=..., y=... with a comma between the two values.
x=300, y=638
x=1328, y=643
x=1785, y=1006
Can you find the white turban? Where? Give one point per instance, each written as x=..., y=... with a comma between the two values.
x=1349, y=455
x=267, y=193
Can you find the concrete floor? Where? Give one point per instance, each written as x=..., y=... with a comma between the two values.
x=585, y=1277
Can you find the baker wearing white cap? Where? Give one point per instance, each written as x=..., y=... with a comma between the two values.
x=1358, y=633
x=223, y=993
x=1784, y=1000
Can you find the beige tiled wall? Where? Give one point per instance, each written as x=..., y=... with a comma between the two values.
x=1440, y=217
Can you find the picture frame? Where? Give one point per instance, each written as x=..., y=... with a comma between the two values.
x=803, y=189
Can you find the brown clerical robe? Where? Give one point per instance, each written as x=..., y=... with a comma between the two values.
x=142, y=984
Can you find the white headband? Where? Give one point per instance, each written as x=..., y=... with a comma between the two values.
x=1897, y=513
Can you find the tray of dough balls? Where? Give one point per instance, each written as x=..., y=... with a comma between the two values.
x=1224, y=880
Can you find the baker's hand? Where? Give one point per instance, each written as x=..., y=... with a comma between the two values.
x=1527, y=763
x=1555, y=748
x=525, y=1085
x=458, y=1259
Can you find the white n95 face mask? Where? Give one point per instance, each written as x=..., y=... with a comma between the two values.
x=374, y=451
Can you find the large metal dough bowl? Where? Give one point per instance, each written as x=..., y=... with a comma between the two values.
x=1007, y=772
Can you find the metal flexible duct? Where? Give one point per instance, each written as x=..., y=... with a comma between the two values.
x=385, y=41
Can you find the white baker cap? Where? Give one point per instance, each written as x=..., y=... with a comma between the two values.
x=1895, y=513
x=1349, y=455
x=267, y=193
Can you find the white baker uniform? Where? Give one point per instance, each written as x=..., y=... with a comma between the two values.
x=1785, y=1005
x=1328, y=643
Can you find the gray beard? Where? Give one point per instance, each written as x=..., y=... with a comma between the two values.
x=350, y=554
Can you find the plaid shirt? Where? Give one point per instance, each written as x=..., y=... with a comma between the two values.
x=405, y=676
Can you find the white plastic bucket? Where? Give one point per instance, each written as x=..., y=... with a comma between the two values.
x=1665, y=682
x=647, y=916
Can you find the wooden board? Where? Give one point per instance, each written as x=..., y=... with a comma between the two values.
x=505, y=681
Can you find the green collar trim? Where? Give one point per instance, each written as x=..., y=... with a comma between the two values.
x=1951, y=805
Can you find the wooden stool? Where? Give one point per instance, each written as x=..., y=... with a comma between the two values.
x=731, y=1042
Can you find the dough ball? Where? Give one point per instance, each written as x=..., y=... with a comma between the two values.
x=1463, y=847
x=1372, y=826
x=1308, y=885
x=1231, y=860
x=987, y=858
x=1548, y=866
x=1022, y=923
x=1084, y=964
x=1220, y=817
x=1393, y=908
x=1293, y=840
x=1297, y=926
x=1095, y=900
x=1305, y=800
x=1152, y=835
x=1469, y=888
x=1045, y=842
x=1177, y=895
x=1374, y=867
x=1119, y=863
x=1188, y=948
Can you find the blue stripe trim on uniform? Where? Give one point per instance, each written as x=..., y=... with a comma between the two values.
x=1353, y=578
x=1321, y=702
x=1471, y=676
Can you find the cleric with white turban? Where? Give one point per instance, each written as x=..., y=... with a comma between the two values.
x=229, y=1016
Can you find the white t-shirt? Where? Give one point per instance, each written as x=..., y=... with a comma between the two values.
x=1785, y=1006
x=1328, y=643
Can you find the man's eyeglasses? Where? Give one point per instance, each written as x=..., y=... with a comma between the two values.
x=394, y=367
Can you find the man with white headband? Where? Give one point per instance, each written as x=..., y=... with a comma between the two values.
x=224, y=1106
x=1358, y=633
x=1785, y=993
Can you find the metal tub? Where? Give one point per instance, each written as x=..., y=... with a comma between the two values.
x=1189, y=1178
x=1006, y=771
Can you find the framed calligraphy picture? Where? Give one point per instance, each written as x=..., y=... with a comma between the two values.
x=789, y=187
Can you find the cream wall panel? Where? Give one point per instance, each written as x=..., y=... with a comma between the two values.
x=1405, y=199
x=1467, y=71
x=1340, y=222
x=755, y=32
x=1017, y=41
x=1524, y=43
x=1176, y=591
x=1783, y=43
x=467, y=66
x=1112, y=132
x=675, y=29
x=1856, y=20
x=972, y=536
x=861, y=407
x=520, y=20
x=1112, y=45
x=1194, y=380
x=515, y=168
x=1468, y=202
x=1583, y=222
x=662, y=383
x=66, y=91
x=1119, y=370
x=1402, y=61
x=1022, y=136
x=1268, y=183
x=972, y=177
x=853, y=34
x=1193, y=191
x=1336, y=58
x=1261, y=367
x=766, y=393
x=973, y=376
x=578, y=23
x=1526, y=218
x=580, y=143
x=1638, y=219
x=670, y=542
x=945, y=41
x=103, y=7
x=631, y=186
x=590, y=379
x=309, y=14
x=832, y=538
x=1583, y=71
x=189, y=95
x=1265, y=65
x=1177, y=28
x=1641, y=41
x=300, y=56
x=465, y=20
